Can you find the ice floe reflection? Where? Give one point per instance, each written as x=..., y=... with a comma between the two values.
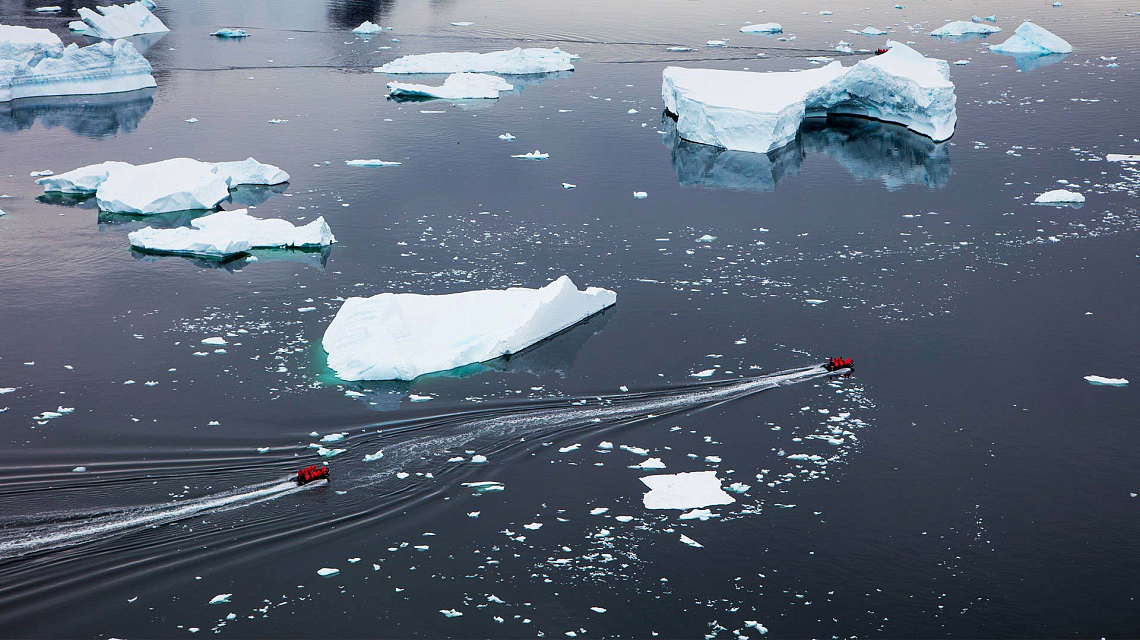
x=97, y=116
x=867, y=149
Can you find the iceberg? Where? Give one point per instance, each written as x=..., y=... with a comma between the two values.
x=517, y=61
x=97, y=68
x=1109, y=382
x=177, y=184
x=368, y=28
x=231, y=33
x=457, y=86
x=28, y=46
x=1060, y=197
x=533, y=155
x=120, y=21
x=1034, y=40
x=759, y=112
x=766, y=27
x=374, y=162
x=402, y=336
x=228, y=233
x=964, y=27
x=684, y=491
x=871, y=31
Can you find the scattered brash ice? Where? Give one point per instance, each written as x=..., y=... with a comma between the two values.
x=405, y=335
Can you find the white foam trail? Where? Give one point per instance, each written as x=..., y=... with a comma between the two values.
x=40, y=539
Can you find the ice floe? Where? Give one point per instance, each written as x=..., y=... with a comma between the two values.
x=692, y=543
x=1109, y=382
x=766, y=27
x=31, y=65
x=1060, y=197
x=327, y=572
x=964, y=27
x=457, y=86
x=1031, y=39
x=231, y=33
x=516, y=61
x=229, y=233
x=368, y=28
x=533, y=155
x=759, y=112
x=120, y=21
x=405, y=335
x=177, y=184
x=684, y=491
x=372, y=163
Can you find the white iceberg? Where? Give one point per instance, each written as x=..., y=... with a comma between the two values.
x=177, y=184
x=517, y=61
x=77, y=25
x=533, y=155
x=964, y=27
x=766, y=27
x=759, y=112
x=228, y=233
x=1103, y=381
x=404, y=335
x=457, y=86
x=373, y=162
x=368, y=28
x=872, y=31
x=120, y=21
x=684, y=491
x=1060, y=197
x=28, y=46
x=98, y=68
x=1033, y=40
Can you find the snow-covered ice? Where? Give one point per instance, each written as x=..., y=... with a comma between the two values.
x=374, y=162
x=1031, y=39
x=221, y=597
x=177, y=184
x=516, y=61
x=31, y=68
x=120, y=21
x=759, y=112
x=766, y=27
x=457, y=86
x=1060, y=197
x=964, y=27
x=405, y=335
x=368, y=28
x=1103, y=381
x=229, y=233
x=327, y=572
x=640, y=195
x=533, y=155
x=692, y=543
x=684, y=491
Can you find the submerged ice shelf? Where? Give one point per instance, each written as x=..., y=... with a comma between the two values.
x=401, y=336
x=228, y=233
x=759, y=112
x=33, y=63
x=178, y=184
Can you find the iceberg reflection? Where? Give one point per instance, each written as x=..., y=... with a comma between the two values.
x=867, y=149
x=94, y=116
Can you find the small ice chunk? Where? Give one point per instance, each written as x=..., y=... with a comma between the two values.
x=765, y=27
x=478, y=459
x=697, y=514
x=415, y=397
x=368, y=28
x=462, y=24
x=534, y=526
x=637, y=451
x=533, y=155
x=964, y=27
x=640, y=195
x=1111, y=382
x=221, y=598
x=214, y=340
x=372, y=457
x=327, y=572
x=230, y=33
x=506, y=136
x=372, y=163
x=457, y=86
x=650, y=463
x=703, y=374
x=334, y=437
x=689, y=541
x=1060, y=197
x=79, y=470
x=450, y=613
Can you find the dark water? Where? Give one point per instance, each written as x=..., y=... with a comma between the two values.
x=977, y=487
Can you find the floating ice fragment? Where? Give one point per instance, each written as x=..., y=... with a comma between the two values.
x=757, y=626
x=230, y=33
x=706, y=238
x=651, y=463
x=598, y=511
x=766, y=27
x=334, y=437
x=872, y=31
x=604, y=444
x=329, y=453
x=679, y=49
x=697, y=514
x=414, y=397
x=457, y=86
x=684, y=491
x=598, y=609
x=120, y=21
x=79, y=470
x=372, y=457
x=372, y=163
x=534, y=526
x=567, y=185
x=327, y=572
x=569, y=448
x=1120, y=157
x=450, y=613
x=1033, y=40
x=533, y=155
x=473, y=514
x=716, y=43
x=214, y=340
x=221, y=598
x=462, y=24
x=1060, y=197
x=478, y=459
x=689, y=541
x=1101, y=380
x=368, y=28
x=228, y=233
x=963, y=27
x=402, y=336
x=637, y=451
x=514, y=62
x=640, y=195
x=703, y=374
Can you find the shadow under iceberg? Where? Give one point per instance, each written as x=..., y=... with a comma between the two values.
x=94, y=116
x=867, y=149
x=555, y=354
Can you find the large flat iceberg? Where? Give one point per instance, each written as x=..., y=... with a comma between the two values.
x=517, y=61
x=177, y=184
x=964, y=27
x=684, y=491
x=759, y=112
x=98, y=68
x=120, y=21
x=1033, y=40
x=767, y=27
x=457, y=86
x=227, y=233
x=401, y=336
